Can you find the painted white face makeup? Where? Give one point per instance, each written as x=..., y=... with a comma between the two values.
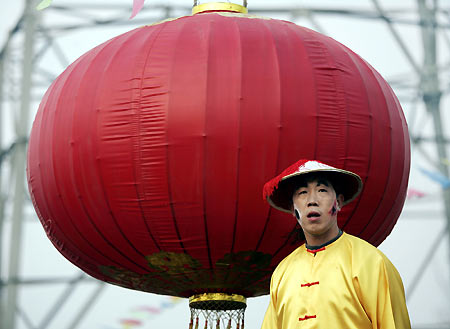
x=298, y=215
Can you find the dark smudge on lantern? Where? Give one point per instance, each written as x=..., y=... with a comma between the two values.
x=148, y=154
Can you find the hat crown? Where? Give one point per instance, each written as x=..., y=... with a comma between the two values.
x=313, y=165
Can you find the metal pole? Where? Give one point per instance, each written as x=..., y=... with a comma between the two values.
x=424, y=264
x=432, y=93
x=95, y=294
x=397, y=37
x=63, y=298
x=9, y=315
x=3, y=56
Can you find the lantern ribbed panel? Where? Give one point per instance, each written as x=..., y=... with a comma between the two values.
x=148, y=155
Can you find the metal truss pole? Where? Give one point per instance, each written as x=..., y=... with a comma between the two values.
x=397, y=37
x=79, y=316
x=432, y=92
x=19, y=158
x=3, y=55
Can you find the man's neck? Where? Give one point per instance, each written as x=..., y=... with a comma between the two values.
x=314, y=241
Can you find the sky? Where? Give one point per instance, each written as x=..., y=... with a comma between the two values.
x=407, y=247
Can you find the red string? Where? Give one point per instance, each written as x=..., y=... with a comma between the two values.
x=307, y=317
x=309, y=284
x=315, y=251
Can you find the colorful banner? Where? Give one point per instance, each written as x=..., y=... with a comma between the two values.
x=139, y=315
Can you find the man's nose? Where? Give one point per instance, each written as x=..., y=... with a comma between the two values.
x=312, y=199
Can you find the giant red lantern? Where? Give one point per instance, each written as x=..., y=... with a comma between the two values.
x=148, y=155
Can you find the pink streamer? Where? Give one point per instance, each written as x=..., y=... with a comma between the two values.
x=130, y=322
x=412, y=193
x=150, y=309
x=137, y=6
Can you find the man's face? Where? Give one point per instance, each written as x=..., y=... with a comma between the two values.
x=317, y=204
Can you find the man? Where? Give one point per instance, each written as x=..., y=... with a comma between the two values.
x=335, y=280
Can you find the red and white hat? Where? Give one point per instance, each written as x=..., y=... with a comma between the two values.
x=279, y=190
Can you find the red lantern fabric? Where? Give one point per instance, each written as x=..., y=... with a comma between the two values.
x=148, y=154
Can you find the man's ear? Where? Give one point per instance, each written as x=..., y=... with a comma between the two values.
x=340, y=201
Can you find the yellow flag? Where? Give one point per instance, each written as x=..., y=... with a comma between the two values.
x=43, y=4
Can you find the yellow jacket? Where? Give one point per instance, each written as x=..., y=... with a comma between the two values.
x=347, y=284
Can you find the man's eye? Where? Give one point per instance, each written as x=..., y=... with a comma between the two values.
x=301, y=192
x=323, y=190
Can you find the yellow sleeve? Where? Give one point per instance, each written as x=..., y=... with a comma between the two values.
x=271, y=319
x=382, y=295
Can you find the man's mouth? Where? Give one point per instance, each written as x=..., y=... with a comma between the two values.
x=313, y=214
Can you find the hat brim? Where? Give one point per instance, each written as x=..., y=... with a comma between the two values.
x=347, y=183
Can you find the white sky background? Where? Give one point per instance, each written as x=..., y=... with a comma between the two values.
x=422, y=220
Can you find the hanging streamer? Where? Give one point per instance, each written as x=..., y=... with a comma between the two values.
x=139, y=315
x=43, y=4
x=437, y=177
x=137, y=6
x=414, y=194
x=151, y=309
x=130, y=323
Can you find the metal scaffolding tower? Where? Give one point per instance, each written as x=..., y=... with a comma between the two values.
x=32, y=57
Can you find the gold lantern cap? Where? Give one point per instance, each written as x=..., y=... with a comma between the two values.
x=219, y=6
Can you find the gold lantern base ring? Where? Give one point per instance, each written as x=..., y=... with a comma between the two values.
x=218, y=310
x=218, y=301
x=219, y=6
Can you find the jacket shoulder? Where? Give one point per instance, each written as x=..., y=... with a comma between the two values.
x=366, y=253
